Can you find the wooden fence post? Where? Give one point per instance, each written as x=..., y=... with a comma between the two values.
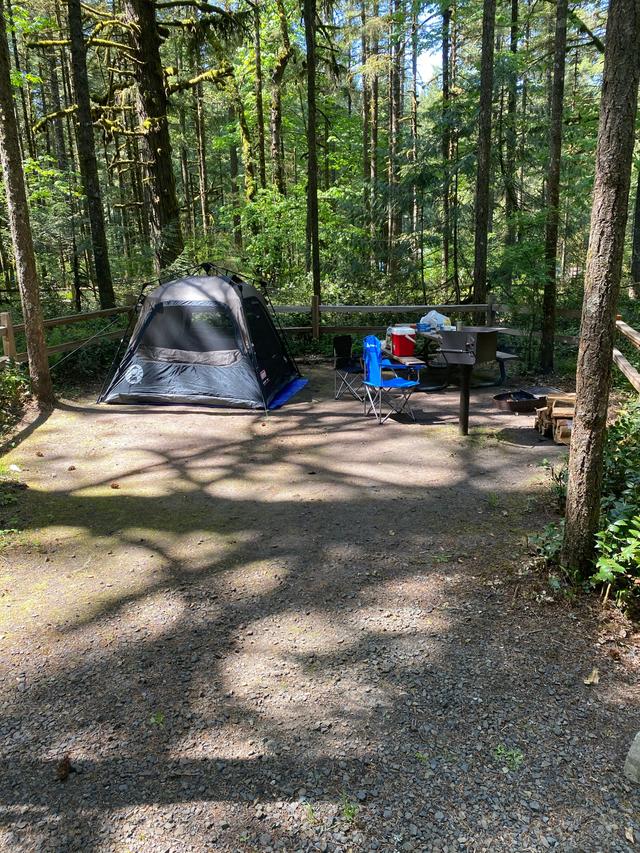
x=491, y=309
x=8, y=336
x=315, y=316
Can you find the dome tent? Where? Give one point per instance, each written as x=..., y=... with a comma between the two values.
x=208, y=340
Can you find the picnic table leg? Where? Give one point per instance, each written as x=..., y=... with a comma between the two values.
x=465, y=384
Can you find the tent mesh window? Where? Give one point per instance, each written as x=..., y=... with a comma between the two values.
x=266, y=342
x=206, y=329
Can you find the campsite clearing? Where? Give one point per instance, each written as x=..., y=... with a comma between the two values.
x=289, y=632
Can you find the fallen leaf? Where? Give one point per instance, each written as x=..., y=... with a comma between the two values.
x=628, y=834
x=64, y=768
x=594, y=676
x=115, y=485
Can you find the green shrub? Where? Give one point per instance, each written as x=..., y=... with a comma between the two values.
x=14, y=391
x=618, y=540
x=617, y=563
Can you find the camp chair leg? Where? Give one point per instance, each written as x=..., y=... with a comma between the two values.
x=398, y=404
x=374, y=403
x=347, y=384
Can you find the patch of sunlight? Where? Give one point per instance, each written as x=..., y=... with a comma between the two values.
x=256, y=577
x=240, y=742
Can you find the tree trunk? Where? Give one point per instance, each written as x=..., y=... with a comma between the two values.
x=27, y=132
x=247, y=147
x=455, y=250
x=395, y=109
x=414, y=121
x=87, y=156
x=16, y=199
x=484, y=153
x=366, y=127
x=634, y=288
x=602, y=282
x=185, y=173
x=511, y=198
x=202, y=158
x=282, y=60
x=233, y=171
x=309, y=11
x=58, y=128
x=262, y=168
x=373, y=148
x=446, y=142
x=155, y=145
x=553, y=189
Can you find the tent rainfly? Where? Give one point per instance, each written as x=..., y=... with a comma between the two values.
x=208, y=340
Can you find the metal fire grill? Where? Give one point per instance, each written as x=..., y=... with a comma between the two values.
x=473, y=345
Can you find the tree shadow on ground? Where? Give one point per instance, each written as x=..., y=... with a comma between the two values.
x=300, y=607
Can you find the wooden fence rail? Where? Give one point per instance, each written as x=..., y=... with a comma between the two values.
x=623, y=363
x=8, y=330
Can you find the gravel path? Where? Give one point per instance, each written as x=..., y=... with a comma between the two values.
x=305, y=632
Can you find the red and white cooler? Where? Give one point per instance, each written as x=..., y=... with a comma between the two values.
x=403, y=340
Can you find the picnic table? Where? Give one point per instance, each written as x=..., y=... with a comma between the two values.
x=465, y=348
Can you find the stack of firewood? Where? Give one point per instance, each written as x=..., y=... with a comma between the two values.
x=556, y=418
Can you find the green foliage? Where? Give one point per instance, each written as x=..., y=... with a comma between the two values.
x=618, y=541
x=349, y=809
x=617, y=565
x=619, y=560
x=548, y=543
x=510, y=758
x=14, y=392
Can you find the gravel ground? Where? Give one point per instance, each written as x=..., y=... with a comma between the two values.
x=305, y=632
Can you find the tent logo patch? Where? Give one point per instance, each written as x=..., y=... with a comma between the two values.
x=134, y=374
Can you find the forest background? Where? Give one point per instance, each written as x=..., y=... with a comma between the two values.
x=398, y=147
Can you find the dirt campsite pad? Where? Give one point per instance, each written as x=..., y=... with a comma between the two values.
x=227, y=632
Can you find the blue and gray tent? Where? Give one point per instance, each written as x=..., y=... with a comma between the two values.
x=209, y=340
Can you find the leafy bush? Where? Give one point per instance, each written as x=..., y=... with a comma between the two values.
x=618, y=541
x=14, y=391
x=617, y=563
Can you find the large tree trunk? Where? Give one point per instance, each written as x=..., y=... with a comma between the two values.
x=373, y=148
x=309, y=11
x=262, y=169
x=87, y=156
x=366, y=111
x=414, y=119
x=553, y=188
x=511, y=198
x=16, y=199
x=484, y=153
x=282, y=60
x=634, y=287
x=394, y=211
x=602, y=281
x=446, y=142
x=155, y=145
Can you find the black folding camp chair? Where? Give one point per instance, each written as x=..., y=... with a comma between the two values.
x=348, y=370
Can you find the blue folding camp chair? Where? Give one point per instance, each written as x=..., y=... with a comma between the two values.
x=393, y=392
